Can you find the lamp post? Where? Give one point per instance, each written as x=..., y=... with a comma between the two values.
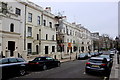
x=117, y=47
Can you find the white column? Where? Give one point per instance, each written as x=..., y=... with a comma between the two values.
x=7, y=53
x=24, y=54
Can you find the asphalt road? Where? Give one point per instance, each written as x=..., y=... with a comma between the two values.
x=72, y=70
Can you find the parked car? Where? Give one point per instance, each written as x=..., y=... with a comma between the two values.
x=82, y=56
x=100, y=52
x=43, y=63
x=89, y=55
x=112, y=53
x=92, y=54
x=97, y=64
x=13, y=66
x=108, y=57
x=96, y=53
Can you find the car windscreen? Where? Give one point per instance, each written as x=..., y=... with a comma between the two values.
x=95, y=61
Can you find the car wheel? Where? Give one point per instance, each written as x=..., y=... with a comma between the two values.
x=44, y=67
x=58, y=64
x=22, y=72
x=86, y=71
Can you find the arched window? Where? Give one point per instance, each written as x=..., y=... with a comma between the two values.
x=11, y=27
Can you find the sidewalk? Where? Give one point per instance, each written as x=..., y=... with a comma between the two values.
x=115, y=71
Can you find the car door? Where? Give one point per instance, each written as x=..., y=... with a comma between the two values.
x=12, y=65
x=4, y=67
x=49, y=61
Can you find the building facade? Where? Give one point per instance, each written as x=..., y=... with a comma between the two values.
x=40, y=35
x=11, y=27
x=73, y=37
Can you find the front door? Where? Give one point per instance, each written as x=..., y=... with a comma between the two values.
x=11, y=47
x=46, y=49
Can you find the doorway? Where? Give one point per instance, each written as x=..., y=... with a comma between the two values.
x=11, y=47
x=46, y=49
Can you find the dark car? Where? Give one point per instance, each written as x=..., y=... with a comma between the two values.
x=82, y=56
x=97, y=64
x=92, y=54
x=12, y=66
x=96, y=53
x=100, y=53
x=43, y=63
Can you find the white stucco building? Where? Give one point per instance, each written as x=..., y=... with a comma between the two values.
x=73, y=38
x=11, y=27
x=40, y=30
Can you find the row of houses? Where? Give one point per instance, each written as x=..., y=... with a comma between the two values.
x=28, y=29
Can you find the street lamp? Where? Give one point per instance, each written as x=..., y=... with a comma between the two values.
x=117, y=47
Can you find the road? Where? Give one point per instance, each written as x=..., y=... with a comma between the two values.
x=72, y=70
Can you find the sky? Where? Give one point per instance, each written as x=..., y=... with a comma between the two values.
x=97, y=16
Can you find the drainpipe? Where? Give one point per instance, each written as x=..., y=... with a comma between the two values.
x=25, y=30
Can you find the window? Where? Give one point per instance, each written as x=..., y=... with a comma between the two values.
x=53, y=37
x=12, y=60
x=53, y=48
x=37, y=36
x=46, y=36
x=38, y=20
x=29, y=31
x=20, y=60
x=44, y=22
x=70, y=32
x=4, y=8
x=11, y=27
x=18, y=11
x=50, y=24
x=29, y=48
x=29, y=17
x=4, y=61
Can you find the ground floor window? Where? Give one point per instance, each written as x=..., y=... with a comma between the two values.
x=29, y=46
x=53, y=48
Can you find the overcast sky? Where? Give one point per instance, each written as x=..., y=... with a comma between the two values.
x=100, y=16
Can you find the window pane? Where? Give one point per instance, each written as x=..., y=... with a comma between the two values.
x=39, y=20
x=12, y=60
x=29, y=17
x=3, y=61
x=18, y=11
x=29, y=31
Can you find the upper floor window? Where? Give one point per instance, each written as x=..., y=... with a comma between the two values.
x=29, y=17
x=18, y=11
x=4, y=8
x=50, y=24
x=53, y=37
x=11, y=27
x=44, y=22
x=39, y=20
x=37, y=36
x=46, y=36
x=29, y=31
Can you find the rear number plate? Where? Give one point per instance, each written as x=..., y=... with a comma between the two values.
x=95, y=66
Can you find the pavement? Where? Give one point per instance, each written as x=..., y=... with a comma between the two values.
x=115, y=71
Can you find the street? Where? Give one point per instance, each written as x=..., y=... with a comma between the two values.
x=71, y=69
